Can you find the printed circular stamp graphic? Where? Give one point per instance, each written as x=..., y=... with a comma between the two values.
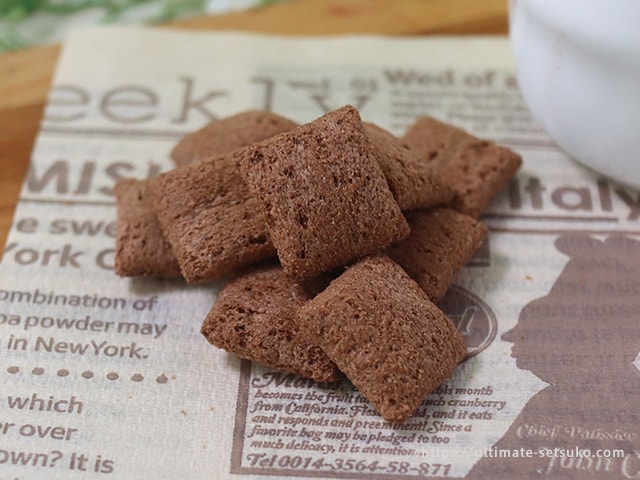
x=472, y=316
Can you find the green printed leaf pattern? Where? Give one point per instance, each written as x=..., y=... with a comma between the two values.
x=29, y=22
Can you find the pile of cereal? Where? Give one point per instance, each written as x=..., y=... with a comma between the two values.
x=338, y=239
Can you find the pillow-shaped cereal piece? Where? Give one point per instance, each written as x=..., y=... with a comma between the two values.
x=413, y=184
x=323, y=193
x=384, y=334
x=441, y=242
x=255, y=318
x=227, y=134
x=141, y=248
x=209, y=216
x=476, y=169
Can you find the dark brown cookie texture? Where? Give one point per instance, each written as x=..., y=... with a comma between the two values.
x=476, y=169
x=254, y=317
x=441, y=242
x=212, y=221
x=414, y=184
x=385, y=335
x=141, y=248
x=323, y=194
x=227, y=134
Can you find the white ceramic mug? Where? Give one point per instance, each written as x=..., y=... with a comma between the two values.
x=578, y=66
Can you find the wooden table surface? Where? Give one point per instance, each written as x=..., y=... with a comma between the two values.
x=25, y=75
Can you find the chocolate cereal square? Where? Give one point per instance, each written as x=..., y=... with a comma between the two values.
x=254, y=317
x=141, y=248
x=476, y=169
x=414, y=184
x=227, y=134
x=323, y=194
x=385, y=335
x=212, y=221
x=441, y=242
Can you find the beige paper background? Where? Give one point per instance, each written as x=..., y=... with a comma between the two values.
x=120, y=99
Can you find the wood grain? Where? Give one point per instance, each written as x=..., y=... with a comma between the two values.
x=25, y=76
